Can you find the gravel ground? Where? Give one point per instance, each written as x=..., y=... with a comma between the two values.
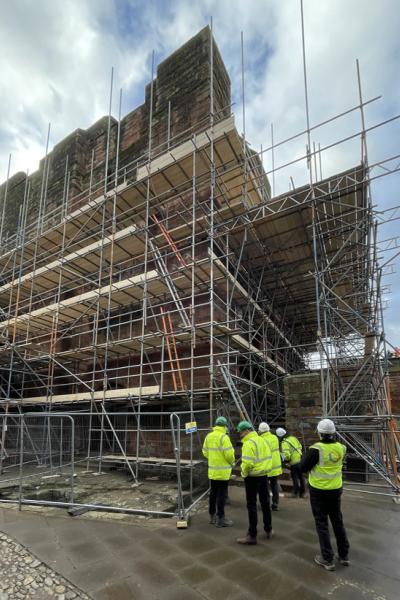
x=22, y=575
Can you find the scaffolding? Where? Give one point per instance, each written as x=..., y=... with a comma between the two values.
x=178, y=287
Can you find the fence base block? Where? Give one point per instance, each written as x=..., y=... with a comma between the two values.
x=182, y=524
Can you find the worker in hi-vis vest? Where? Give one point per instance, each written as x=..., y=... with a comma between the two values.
x=291, y=455
x=276, y=470
x=256, y=465
x=323, y=462
x=220, y=455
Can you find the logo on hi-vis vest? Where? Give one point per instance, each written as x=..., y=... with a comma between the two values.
x=334, y=457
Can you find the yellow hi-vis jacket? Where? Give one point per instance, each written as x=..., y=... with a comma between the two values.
x=219, y=452
x=292, y=450
x=273, y=442
x=327, y=473
x=256, y=456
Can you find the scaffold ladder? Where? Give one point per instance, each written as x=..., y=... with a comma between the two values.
x=234, y=392
x=171, y=345
x=170, y=241
x=170, y=284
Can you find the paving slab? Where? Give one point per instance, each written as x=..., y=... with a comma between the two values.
x=126, y=589
x=220, y=588
x=152, y=560
x=219, y=556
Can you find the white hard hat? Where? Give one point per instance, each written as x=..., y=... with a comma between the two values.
x=263, y=427
x=280, y=432
x=326, y=426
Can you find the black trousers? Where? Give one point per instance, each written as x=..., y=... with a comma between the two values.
x=273, y=482
x=324, y=504
x=257, y=486
x=299, y=486
x=218, y=496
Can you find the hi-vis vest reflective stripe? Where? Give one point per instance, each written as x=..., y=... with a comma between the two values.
x=218, y=450
x=256, y=456
x=327, y=474
x=273, y=442
x=292, y=449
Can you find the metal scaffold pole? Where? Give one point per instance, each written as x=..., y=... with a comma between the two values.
x=4, y=202
x=211, y=226
x=146, y=302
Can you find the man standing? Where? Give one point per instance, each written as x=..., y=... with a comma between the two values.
x=291, y=453
x=218, y=450
x=276, y=470
x=324, y=462
x=256, y=464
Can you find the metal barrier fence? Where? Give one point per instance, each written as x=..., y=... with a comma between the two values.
x=120, y=462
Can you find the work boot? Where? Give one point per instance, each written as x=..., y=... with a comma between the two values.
x=223, y=522
x=344, y=561
x=269, y=534
x=247, y=541
x=327, y=565
x=275, y=507
x=213, y=520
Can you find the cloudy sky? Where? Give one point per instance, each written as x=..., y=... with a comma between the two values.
x=56, y=57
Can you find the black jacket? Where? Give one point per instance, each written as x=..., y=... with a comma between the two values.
x=309, y=460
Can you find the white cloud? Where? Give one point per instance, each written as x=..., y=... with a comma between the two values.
x=55, y=64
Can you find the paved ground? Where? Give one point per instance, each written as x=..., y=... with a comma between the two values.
x=153, y=560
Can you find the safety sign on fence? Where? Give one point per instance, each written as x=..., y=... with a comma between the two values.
x=191, y=427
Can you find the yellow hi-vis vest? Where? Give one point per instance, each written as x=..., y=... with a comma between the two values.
x=256, y=456
x=219, y=452
x=292, y=450
x=327, y=474
x=273, y=442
